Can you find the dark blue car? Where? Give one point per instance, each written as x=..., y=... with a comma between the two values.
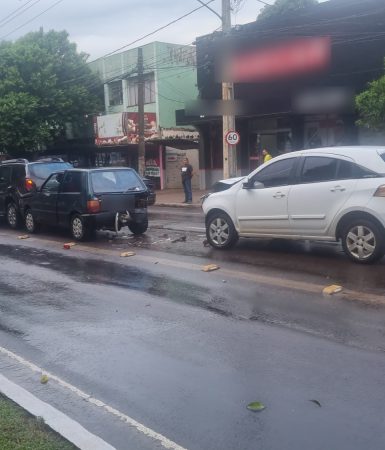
x=85, y=200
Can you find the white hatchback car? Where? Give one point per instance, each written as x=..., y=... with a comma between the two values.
x=325, y=194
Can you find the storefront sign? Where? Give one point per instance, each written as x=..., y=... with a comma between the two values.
x=122, y=128
x=152, y=168
x=296, y=57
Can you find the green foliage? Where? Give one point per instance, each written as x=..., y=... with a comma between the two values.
x=371, y=105
x=44, y=84
x=283, y=7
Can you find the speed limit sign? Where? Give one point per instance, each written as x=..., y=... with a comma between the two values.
x=233, y=138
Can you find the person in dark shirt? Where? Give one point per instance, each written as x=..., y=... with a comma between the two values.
x=187, y=174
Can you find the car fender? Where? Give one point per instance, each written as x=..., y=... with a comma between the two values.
x=362, y=209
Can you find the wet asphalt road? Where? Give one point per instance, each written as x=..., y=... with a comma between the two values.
x=184, y=352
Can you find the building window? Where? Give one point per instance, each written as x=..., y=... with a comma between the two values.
x=115, y=93
x=149, y=90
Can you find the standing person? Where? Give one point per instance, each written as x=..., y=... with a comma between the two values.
x=187, y=174
x=266, y=155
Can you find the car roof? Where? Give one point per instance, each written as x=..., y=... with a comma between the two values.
x=367, y=156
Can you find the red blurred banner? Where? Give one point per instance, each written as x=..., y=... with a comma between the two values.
x=282, y=60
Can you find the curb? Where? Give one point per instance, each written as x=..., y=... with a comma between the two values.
x=178, y=205
x=55, y=419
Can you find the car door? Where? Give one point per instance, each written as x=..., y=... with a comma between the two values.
x=261, y=208
x=70, y=196
x=5, y=180
x=45, y=201
x=325, y=184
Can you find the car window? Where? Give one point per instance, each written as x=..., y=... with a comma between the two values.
x=116, y=181
x=349, y=170
x=53, y=183
x=276, y=174
x=43, y=170
x=18, y=173
x=319, y=168
x=383, y=156
x=72, y=182
x=5, y=174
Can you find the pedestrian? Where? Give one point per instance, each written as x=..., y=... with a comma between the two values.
x=266, y=155
x=187, y=174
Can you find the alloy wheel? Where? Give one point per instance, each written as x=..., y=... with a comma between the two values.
x=361, y=242
x=219, y=231
x=77, y=228
x=29, y=222
x=12, y=216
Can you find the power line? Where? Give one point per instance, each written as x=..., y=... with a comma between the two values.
x=14, y=12
x=31, y=20
x=157, y=30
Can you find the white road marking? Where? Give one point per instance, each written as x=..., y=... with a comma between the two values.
x=58, y=421
x=165, y=442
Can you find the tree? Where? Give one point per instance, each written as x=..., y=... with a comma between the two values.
x=371, y=105
x=283, y=7
x=44, y=84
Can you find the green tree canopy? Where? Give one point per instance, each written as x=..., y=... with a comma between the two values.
x=44, y=84
x=371, y=105
x=283, y=7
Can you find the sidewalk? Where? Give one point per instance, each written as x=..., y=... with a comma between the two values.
x=175, y=198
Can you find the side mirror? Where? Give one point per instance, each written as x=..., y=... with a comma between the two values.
x=253, y=185
x=248, y=184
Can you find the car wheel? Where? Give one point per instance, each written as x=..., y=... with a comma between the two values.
x=30, y=223
x=79, y=230
x=363, y=241
x=138, y=228
x=13, y=217
x=220, y=231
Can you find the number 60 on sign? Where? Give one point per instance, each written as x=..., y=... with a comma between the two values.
x=232, y=138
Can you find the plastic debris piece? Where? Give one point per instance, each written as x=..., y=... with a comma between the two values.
x=210, y=268
x=332, y=289
x=127, y=254
x=256, y=406
x=44, y=379
x=69, y=245
x=24, y=236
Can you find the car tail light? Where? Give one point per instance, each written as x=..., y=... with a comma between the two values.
x=93, y=206
x=29, y=185
x=141, y=203
x=380, y=192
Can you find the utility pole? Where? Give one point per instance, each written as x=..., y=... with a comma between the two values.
x=229, y=155
x=141, y=144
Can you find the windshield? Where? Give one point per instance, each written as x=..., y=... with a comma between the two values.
x=44, y=170
x=116, y=181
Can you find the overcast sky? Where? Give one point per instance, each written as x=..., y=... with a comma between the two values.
x=101, y=26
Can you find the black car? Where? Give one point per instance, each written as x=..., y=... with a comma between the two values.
x=19, y=178
x=151, y=190
x=89, y=199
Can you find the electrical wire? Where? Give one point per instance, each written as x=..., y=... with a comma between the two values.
x=31, y=20
x=14, y=12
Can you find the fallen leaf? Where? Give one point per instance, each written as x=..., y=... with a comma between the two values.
x=256, y=406
x=44, y=379
x=316, y=402
x=24, y=236
x=210, y=268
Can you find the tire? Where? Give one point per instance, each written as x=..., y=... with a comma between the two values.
x=363, y=241
x=30, y=223
x=79, y=229
x=12, y=216
x=220, y=231
x=138, y=228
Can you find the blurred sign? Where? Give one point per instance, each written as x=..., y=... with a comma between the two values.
x=122, y=128
x=295, y=57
